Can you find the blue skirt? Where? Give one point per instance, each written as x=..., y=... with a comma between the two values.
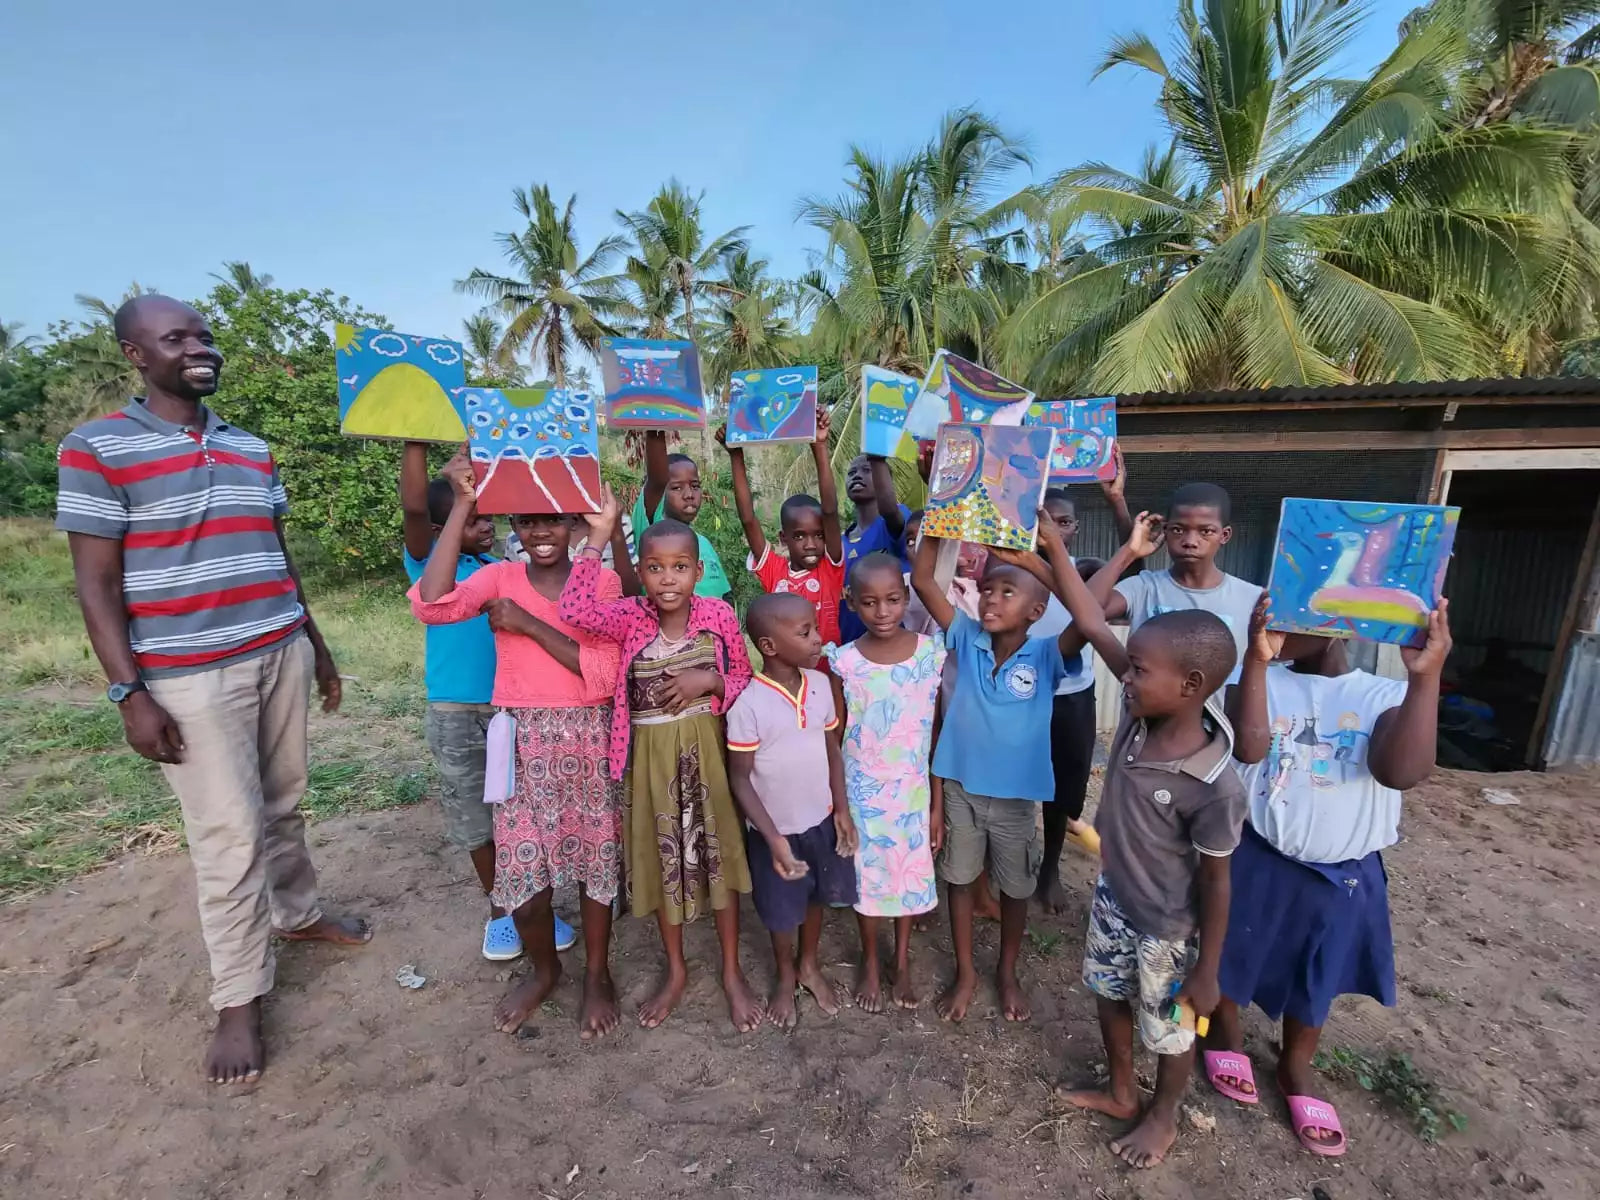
x=1300, y=934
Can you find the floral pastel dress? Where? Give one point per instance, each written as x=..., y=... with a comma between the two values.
x=887, y=739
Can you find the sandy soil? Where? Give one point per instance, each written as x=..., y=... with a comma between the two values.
x=376, y=1091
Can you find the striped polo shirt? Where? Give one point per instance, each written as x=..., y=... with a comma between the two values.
x=203, y=574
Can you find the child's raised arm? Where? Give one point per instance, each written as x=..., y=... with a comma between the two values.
x=415, y=520
x=928, y=590
x=581, y=605
x=1089, y=622
x=1116, y=494
x=439, y=576
x=1405, y=739
x=883, y=491
x=622, y=562
x=1143, y=541
x=656, y=473
x=1246, y=702
x=754, y=536
x=827, y=490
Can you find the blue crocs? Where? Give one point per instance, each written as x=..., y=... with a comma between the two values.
x=500, y=940
x=566, y=935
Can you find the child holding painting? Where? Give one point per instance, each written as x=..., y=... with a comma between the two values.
x=672, y=489
x=563, y=823
x=683, y=662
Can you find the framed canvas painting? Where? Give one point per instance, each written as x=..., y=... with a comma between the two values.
x=986, y=484
x=886, y=399
x=775, y=405
x=398, y=386
x=1355, y=569
x=962, y=392
x=1086, y=437
x=651, y=384
x=533, y=450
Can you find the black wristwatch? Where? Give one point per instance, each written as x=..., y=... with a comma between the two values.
x=118, y=692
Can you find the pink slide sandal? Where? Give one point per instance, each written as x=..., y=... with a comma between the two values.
x=1228, y=1062
x=1307, y=1113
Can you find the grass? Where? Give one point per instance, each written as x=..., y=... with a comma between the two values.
x=73, y=796
x=1395, y=1078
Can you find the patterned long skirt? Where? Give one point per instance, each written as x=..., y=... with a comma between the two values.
x=564, y=824
x=685, y=841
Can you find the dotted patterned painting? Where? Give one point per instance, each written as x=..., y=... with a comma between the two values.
x=987, y=483
x=533, y=450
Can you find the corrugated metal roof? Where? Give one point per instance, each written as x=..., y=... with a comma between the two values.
x=1438, y=390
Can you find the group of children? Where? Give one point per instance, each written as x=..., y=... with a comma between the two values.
x=905, y=730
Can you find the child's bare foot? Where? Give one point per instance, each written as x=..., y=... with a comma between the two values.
x=954, y=1001
x=341, y=931
x=1123, y=1108
x=659, y=1007
x=1052, y=896
x=518, y=1004
x=869, y=985
x=1013, y=1000
x=828, y=992
x=924, y=921
x=598, y=1014
x=744, y=1006
x=1147, y=1143
x=236, y=1054
x=781, y=1009
x=903, y=992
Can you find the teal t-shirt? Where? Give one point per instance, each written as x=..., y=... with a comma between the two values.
x=714, y=581
x=459, y=667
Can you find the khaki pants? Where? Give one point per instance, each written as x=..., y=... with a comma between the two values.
x=239, y=785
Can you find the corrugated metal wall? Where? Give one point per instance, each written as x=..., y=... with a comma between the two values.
x=1574, y=737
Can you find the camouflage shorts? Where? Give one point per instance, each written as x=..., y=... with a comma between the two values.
x=1120, y=963
x=457, y=735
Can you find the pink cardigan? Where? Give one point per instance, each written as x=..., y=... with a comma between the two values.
x=631, y=622
x=526, y=676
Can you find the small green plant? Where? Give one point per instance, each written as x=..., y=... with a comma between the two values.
x=1043, y=944
x=1396, y=1079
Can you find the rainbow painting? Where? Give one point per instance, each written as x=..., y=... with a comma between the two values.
x=886, y=399
x=1086, y=437
x=961, y=392
x=398, y=386
x=651, y=383
x=771, y=406
x=986, y=484
x=533, y=450
x=1354, y=569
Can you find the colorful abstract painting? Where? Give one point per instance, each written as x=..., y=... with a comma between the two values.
x=776, y=405
x=1086, y=437
x=398, y=386
x=651, y=384
x=533, y=450
x=987, y=483
x=886, y=399
x=962, y=392
x=1373, y=571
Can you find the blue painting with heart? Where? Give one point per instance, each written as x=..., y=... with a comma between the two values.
x=774, y=405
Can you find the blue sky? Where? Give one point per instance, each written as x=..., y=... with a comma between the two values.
x=372, y=148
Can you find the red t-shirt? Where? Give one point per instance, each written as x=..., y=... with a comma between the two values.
x=823, y=585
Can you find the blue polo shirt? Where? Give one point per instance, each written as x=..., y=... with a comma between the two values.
x=459, y=667
x=995, y=740
x=859, y=542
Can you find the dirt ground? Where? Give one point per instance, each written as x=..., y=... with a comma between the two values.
x=372, y=1090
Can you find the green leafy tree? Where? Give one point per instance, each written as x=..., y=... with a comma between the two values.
x=670, y=235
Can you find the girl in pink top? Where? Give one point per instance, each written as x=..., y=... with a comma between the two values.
x=683, y=663
x=563, y=825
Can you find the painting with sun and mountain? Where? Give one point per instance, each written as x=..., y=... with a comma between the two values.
x=533, y=450
x=771, y=406
x=886, y=399
x=651, y=384
x=1086, y=437
x=398, y=386
x=986, y=484
x=962, y=392
x=1349, y=568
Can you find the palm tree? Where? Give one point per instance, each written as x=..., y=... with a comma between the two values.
x=12, y=342
x=242, y=278
x=1334, y=230
x=99, y=377
x=671, y=238
x=557, y=298
x=748, y=327
x=648, y=296
x=482, y=334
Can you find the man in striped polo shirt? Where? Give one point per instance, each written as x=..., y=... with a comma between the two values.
x=175, y=520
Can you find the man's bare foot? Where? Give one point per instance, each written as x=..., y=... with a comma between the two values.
x=984, y=906
x=341, y=931
x=903, y=992
x=1147, y=1143
x=517, y=1005
x=659, y=1007
x=1052, y=896
x=954, y=1001
x=745, y=1009
x=869, y=985
x=597, y=1015
x=781, y=1009
x=236, y=1054
x=829, y=994
x=1013, y=1000
x=1123, y=1108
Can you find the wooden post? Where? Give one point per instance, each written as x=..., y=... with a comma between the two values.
x=1583, y=610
